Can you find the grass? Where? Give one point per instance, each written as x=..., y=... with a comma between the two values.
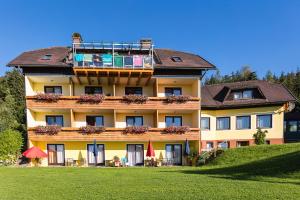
x=262, y=172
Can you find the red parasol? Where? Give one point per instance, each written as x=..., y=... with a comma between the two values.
x=150, y=150
x=34, y=152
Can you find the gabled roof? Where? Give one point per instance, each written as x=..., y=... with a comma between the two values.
x=216, y=96
x=34, y=58
x=61, y=58
x=189, y=60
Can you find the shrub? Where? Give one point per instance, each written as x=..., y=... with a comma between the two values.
x=177, y=129
x=49, y=97
x=136, y=129
x=178, y=99
x=260, y=136
x=96, y=98
x=140, y=99
x=47, y=130
x=91, y=129
x=10, y=146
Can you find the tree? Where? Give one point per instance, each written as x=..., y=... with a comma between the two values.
x=10, y=146
x=260, y=136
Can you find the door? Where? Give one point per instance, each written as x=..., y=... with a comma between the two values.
x=56, y=154
x=174, y=154
x=135, y=154
x=100, y=157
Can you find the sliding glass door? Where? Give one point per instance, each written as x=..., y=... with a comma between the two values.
x=56, y=154
x=135, y=154
x=91, y=157
x=174, y=153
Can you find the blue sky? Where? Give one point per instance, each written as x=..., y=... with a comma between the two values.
x=263, y=34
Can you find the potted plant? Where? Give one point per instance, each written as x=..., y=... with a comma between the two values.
x=48, y=97
x=92, y=99
x=192, y=158
x=136, y=129
x=139, y=99
x=47, y=130
x=116, y=161
x=177, y=129
x=178, y=99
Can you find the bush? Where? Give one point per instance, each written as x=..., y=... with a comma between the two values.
x=10, y=147
x=49, y=130
x=47, y=97
x=91, y=129
x=177, y=129
x=139, y=99
x=178, y=99
x=94, y=99
x=260, y=136
x=136, y=129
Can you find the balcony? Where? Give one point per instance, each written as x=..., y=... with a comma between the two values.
x=115, y=134
x=114, y=103
x=113, y=59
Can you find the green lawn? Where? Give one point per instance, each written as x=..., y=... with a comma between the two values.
x=265, y=172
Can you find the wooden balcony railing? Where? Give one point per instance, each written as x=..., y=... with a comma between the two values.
x=114, y=134
x=153, y=103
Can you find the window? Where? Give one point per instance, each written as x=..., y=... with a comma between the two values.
x=246, y=94
x=135, y=154
x=94, y=121
x=53, y=89
x=223, y=123
x=174, y=154
x=209, y=145
x=173, y=121
x=173, y=91
x=134, y=121
x=100, y=154
x=176, y=59
x=205, y=123
x=133, y=91
x=93, y=90
x=264, y=121
x=243, y=122
x=56, y=154
x=242, y=143
x=224, y=145
x=55, y=120
x=47, y=57
x=293, y=126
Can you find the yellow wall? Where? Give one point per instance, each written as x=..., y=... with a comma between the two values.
x=39, y=118
x=147, y=90
x=275, y=132
x=73, y=149
x=39, y=87
x=80, y=119
x=121, y=119
x=187, y=120
x=80, y=89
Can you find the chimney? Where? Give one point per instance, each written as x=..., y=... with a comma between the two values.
x=76, y=38
x=146, y=43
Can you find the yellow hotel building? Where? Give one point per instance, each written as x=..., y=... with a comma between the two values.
x=119, y=96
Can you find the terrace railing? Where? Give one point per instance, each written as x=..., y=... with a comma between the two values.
x=113, y=55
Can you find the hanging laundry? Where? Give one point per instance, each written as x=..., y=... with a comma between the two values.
x=138, y=61
x=147, y=61
x=78, y=57
x=128, y=61
x=88, y=58
x=118, y=61
x=97, y=60
x=107, y=59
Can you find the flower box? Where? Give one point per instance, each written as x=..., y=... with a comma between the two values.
x=47, y=130
x=94, y=99
x=48, y=97
x=91, y=129
x=177, y=129
x=178, y=99
x=136, y=129
x=139, y=99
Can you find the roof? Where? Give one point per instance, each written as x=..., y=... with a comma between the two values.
x=189, y=60
x=34, y=58
x=60, y=56
x=216, y=96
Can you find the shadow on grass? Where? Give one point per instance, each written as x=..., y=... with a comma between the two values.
x=284, y=167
